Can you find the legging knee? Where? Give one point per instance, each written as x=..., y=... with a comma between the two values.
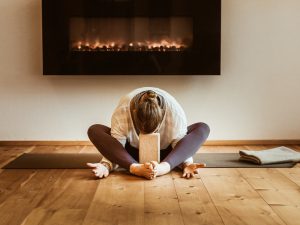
x=95, y=130
x=200, y=128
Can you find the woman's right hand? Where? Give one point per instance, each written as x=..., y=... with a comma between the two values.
x=99, y=170
x=189, y=170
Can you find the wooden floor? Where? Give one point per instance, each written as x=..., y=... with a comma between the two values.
x=215, y=196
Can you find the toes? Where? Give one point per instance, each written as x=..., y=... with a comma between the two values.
x=152, y=176
x=154, y=164
x=148, y=165
x=149, y=177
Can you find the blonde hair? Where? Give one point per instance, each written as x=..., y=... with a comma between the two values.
x=149, y=109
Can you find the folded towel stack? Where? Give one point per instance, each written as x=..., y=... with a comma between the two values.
x=269, y=156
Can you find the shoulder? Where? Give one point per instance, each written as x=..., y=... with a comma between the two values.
x=174, y=107
x=120, y=114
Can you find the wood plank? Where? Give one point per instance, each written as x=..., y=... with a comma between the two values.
x=40, y=216
x=292, y=173
x=43, y=143
x=74, y=190
x=236, y=201
x=58, y=149
x=220, y=149
x=67, y=201
x=161, y=202
x=34, y=188
x=57, y=191
x=267, y=178
x=194, y=201
x=281, y=193
x=26, y=189
x=90, y=149
x=11, y=180
x=119, y=199
x=289, y=213
x=35, y=216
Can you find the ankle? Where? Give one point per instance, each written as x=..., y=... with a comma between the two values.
x=163, y=168
x=165, y=164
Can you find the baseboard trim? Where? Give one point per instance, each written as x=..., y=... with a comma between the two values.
x=252, y=142
x=207, y=143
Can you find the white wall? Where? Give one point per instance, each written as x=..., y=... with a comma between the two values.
x=256, y=97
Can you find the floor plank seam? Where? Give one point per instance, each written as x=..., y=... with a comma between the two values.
x=144, y=202
x=177, y=198
x=92, y=201
x=283, y=221
x=288, y=177
x=212, y=201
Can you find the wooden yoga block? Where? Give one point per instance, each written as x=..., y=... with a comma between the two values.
x=149, y=147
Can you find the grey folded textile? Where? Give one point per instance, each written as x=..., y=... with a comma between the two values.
x=269, y=156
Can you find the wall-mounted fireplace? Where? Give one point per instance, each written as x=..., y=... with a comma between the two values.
x=131, y=34
x=124, y=37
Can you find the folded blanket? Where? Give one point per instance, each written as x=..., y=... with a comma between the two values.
x=269, y=156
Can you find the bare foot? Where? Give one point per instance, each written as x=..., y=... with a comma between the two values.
x=143, y=170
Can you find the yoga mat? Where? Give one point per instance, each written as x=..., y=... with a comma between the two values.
x=231, y=160
x=79, y=160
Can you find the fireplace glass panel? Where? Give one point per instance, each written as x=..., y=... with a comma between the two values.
x=131, y=34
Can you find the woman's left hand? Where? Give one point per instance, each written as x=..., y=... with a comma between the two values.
x=190, y=170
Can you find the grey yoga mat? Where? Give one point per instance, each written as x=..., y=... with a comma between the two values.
x=79, y=160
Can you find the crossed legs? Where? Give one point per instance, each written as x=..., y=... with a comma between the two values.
x=112, y=149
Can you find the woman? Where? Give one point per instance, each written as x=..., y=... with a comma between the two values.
x=147, y=110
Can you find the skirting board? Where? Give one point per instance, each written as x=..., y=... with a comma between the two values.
x=207, y=143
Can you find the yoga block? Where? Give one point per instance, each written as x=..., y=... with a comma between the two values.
x=149, y=147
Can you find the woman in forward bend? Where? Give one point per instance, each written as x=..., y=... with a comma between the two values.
x=143, y=111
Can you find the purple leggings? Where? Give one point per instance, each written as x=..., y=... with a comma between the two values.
x=113, y=150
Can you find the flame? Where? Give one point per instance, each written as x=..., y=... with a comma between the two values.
x=161, y=45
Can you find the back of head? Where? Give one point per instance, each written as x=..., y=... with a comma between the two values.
x=148, y=111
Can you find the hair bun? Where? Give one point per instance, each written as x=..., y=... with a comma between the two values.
x=151, y=95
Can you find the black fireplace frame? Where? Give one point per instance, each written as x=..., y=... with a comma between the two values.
x=204, y=58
